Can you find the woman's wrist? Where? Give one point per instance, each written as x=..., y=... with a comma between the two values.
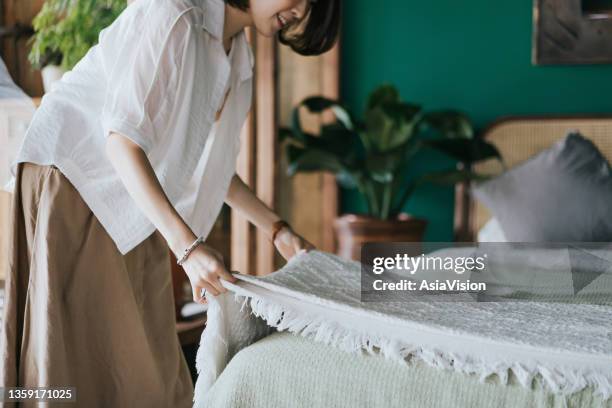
x=189, y=250
x=241, y=198
x=181, y=241
x=277, y=226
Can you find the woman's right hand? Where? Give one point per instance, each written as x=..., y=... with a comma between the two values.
x=205, y=268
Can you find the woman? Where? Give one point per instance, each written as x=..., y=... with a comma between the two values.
x=134, y=151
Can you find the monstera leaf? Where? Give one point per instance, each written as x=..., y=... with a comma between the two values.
x=336, y=139
x=450, y=124
x=384, y=167
x=317, y=104
x=389, y=122
x=383, y=95
x=388, y=127
x=465, y=150
x=310, y=160
x=307, y=160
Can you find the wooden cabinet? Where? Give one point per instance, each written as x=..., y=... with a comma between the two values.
x=14, y=51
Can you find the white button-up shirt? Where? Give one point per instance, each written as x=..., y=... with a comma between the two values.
x=158, y=76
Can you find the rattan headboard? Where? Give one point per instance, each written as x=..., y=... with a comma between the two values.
x=518, y=139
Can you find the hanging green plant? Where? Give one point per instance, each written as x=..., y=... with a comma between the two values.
x=66, y=29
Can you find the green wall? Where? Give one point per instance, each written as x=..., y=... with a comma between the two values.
x=472, y=55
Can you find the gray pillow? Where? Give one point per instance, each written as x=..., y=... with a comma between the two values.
x=563, y=194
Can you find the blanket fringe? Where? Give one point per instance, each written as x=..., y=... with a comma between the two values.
x=205, y=356
x=334, y=334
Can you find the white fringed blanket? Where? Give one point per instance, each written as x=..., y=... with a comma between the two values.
x=317, y=295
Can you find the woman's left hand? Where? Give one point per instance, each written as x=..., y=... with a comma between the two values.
x=289, y=244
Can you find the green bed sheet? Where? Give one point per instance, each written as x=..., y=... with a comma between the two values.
x=285, y=370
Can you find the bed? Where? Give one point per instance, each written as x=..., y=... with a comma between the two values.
x=284, y=370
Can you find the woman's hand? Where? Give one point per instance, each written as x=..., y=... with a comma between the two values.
x=289, y=244
x=205, y=268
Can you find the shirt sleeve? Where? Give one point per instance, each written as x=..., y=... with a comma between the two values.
x=145, y=57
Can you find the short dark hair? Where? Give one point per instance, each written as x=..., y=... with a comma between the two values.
x=315, y=34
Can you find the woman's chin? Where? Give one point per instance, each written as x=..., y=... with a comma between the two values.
x=268, y=30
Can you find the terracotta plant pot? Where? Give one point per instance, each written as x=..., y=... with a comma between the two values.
x=353, y=230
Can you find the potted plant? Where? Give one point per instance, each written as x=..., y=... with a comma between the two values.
x=374, y=155
x=64, y=30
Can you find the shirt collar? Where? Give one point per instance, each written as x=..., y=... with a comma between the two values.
x=214, y=19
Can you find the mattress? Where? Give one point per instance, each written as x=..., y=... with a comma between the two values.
x=285, y=370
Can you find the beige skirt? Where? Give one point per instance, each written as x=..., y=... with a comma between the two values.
x=78, y=313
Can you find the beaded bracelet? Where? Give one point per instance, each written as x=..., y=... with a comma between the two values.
x=188, y=250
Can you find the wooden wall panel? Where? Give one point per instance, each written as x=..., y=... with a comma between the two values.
x=15, y=53
x=330, y=87
x=308, y=201
x=243, y=233
x=266, y=141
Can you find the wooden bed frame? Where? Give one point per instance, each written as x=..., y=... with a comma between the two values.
x=518, y=139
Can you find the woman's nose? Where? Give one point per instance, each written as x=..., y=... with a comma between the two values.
x=300, y=9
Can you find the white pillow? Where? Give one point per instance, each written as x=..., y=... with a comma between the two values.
x=492, y=232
